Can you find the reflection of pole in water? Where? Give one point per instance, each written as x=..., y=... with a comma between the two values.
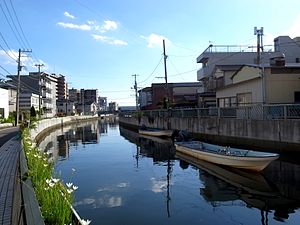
x=169, y=170
x=137, y=156
x=264, y=218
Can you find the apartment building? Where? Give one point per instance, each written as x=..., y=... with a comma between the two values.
x=42, y=85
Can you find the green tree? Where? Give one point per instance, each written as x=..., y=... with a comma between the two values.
x=32, y=112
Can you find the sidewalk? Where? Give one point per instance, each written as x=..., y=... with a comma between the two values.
x=10, y=188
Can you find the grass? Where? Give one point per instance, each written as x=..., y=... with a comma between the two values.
x=54, y=197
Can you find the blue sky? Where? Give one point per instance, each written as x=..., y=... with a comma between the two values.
x=101, y=44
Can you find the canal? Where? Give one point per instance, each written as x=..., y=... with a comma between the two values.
x=124, y=178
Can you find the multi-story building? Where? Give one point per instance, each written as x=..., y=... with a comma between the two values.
x=62, y=86
x=102, y=103
x=42, y=85
x=27, y=100
x=113, y=107
x=85, y=100
x=219, y=63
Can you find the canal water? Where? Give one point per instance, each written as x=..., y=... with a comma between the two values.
x=124, y=178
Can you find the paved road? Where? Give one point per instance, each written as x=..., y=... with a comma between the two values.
x=7, y=133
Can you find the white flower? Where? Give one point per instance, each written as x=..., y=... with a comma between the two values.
x=69, y=191
x=55, y=180
x=69, y=185
x=51, y=184
x=85, y=222
x=48, y=181
x=46, y=188
x=75, y=188
x=73, y=170
x=45, y=165
x=39, y=156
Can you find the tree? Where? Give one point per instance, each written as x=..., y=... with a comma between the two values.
x=32, y=112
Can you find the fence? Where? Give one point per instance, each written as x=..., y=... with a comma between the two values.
x=255, y=112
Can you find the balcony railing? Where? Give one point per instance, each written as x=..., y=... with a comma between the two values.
x=253, y=112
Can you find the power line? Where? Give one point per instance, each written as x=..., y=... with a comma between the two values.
x=18, y=21
x=152, y=71
x=7, y=45
x=7, y=53
x=20, y=41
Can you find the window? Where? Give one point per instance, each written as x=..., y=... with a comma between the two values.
x=244, y=98
x=297, y=97
x=297, y=60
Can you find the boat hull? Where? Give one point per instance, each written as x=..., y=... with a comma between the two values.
x=156, y=133
x=244, y=162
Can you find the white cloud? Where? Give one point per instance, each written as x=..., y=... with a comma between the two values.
x=66, y=14
x=84, y=27
x=108, y=40
x=10, y=56
x=156, y=40
x=158, y=185
x=109, y=25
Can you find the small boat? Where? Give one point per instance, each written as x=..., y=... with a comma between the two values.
x=234, y=157
x=156, y=132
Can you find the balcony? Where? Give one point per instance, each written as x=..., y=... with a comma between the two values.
x=204, y=72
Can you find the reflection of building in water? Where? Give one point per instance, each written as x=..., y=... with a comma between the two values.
x=63, y=147
x=57, y=142
x=102, y=127
x=223, y=185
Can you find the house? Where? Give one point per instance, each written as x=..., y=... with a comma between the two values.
x=268, y=84
x=12, y=95
x=220, y=62
x=4, y=107
x=66, y=108
x=180, y=95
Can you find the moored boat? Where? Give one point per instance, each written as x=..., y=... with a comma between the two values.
x=234, y=157
x=156, y=132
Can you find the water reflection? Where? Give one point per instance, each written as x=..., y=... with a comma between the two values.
x=125, y=178
x=162, y=151
x=57, y=143
x=223, y=186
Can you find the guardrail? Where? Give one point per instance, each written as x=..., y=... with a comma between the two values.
x=255, y=112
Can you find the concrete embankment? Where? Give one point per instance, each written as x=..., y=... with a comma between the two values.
x=45, y=125
x=254, y=134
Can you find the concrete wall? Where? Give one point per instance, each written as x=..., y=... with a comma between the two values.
x=275, y=134
x=45, y=124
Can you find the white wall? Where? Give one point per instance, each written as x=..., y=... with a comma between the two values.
x=4, y=102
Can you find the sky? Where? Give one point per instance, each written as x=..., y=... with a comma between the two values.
x=100, y=44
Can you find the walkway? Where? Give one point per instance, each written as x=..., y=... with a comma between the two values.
x=10, y=188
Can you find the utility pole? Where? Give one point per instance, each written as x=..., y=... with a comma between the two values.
x=165, y=65
x=259, y=33
x=19, y=84
x=136, y=92
x=39, y=69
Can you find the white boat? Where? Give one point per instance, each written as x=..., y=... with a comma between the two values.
x=156, y=132
x=234, y=157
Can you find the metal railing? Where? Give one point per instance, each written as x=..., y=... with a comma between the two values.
x=255, y=112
